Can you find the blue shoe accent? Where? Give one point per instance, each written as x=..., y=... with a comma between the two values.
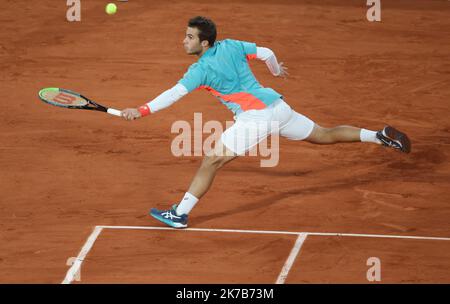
x=170, y=217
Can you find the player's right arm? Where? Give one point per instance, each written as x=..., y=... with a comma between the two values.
x=190, y=81
x=164, y=100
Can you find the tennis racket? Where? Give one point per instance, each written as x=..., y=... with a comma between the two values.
x=71, y=100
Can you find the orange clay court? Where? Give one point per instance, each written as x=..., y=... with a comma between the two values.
x=79, y=184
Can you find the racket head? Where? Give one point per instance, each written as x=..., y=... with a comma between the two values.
x=63, y=98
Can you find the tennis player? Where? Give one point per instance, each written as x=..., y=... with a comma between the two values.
x=223, y=70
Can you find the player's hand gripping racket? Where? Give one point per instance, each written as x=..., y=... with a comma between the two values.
x=68, y=99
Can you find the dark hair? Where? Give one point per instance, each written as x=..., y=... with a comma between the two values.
x=206, y=28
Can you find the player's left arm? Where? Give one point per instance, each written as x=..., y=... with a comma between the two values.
x=252, y=51
x=268, y=56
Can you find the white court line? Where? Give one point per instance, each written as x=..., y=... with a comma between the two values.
x=284, y=232
x=291, y=259
x=75, y=269
x=386, y=236
x=200, y=229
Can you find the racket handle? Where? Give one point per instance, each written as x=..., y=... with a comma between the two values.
x=114, y=112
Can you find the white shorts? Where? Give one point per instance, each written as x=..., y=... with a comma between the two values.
x=253, y=126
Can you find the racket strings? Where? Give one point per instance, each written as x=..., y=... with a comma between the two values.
x=62, y=98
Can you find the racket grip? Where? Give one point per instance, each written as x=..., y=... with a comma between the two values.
x=114, y=112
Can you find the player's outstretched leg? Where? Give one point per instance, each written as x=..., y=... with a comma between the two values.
x=177, y=216
x=389, y=136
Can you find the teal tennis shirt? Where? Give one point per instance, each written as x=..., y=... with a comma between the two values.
x=223, y=70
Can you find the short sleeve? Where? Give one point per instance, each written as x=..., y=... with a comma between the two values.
x=249, y=48
x=193, y=78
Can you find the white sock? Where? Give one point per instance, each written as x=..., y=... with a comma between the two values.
x=369, y=136
x=187, y=203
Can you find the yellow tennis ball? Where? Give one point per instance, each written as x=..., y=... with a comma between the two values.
x=111, y=9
